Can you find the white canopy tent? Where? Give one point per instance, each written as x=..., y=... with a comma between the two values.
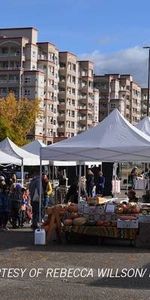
x=25, y=158
x=12, y=149
x=144, y=125
x=113, y=139
x=8, y=159
x=35, y=146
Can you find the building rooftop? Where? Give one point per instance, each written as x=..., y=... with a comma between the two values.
x=18, y=28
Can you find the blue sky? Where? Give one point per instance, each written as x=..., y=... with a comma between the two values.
x=106, y=31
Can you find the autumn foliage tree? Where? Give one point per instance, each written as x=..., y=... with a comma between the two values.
x=17, y=118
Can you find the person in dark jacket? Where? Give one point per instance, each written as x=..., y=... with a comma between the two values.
x=100, y=184
x=4, y=207
x=90, y=183
x=34, y=189
x=15, y=201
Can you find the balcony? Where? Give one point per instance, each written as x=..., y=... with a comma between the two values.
x=42, y=57
x=82, y=108
x=83, y=100
x=10, y=68
x=82, y=121
x=61, y=106
x=61, y=129
x=61, y=118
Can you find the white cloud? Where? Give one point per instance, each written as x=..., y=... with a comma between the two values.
x=132, y=61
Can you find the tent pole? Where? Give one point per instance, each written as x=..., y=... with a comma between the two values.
x=40, y=200
x=22, y=172
x=79, y=183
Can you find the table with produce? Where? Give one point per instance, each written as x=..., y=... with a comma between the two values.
x=101, y=217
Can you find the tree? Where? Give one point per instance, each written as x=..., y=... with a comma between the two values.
x=17, y=118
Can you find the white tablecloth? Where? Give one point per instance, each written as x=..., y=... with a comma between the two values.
x=115, y=186
x=140, y=184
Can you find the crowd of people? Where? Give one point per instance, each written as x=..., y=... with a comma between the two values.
x=19, y=204
x=89, y=187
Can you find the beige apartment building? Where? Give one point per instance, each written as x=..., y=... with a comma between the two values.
x=121, y=92
x=85, y=96
x=68, y=95
x=144, y=100
x=18, y=69
x=78, y=107
x=48, y=63
x=64, y=85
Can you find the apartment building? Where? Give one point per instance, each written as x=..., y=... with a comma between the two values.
x=68, y=95
x=85, y=96
x=144, y=100
x=121, y=92
x=64, y=85
x=18, y=69
x=48, y=62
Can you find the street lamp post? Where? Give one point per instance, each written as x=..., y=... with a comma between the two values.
x=148, y=78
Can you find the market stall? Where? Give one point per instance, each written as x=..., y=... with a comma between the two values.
x=104, y=219
x=112, y=140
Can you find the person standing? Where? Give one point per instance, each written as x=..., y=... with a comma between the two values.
x=4, y=207
x=133, y=176
x=90, y=183
x=34, y=189
x=47, y=191
x=100, y=184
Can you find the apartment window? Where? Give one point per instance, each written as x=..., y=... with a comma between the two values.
x=3, y=77
x=69, y=66
x=73, y=91
x=61, y=89
x=73, y=113
x=4, y=64
x=13, y=77
x=72, y=124
x=73, y=79
x=69, y=90
x=3, y=90
x=34, y=54
x=73, y=102
x=51, y=56
x=27, y=80
x=90, y=84
x=74, y=67
x=62, y=65
x=27, y=92
x=4, y=50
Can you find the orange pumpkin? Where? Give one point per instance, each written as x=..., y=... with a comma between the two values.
x=100, y=223
x=68, y=222
x=73, y=208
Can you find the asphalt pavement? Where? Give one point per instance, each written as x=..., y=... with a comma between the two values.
x=81, y=270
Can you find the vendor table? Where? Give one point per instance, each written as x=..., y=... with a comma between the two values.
x=101, y=231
